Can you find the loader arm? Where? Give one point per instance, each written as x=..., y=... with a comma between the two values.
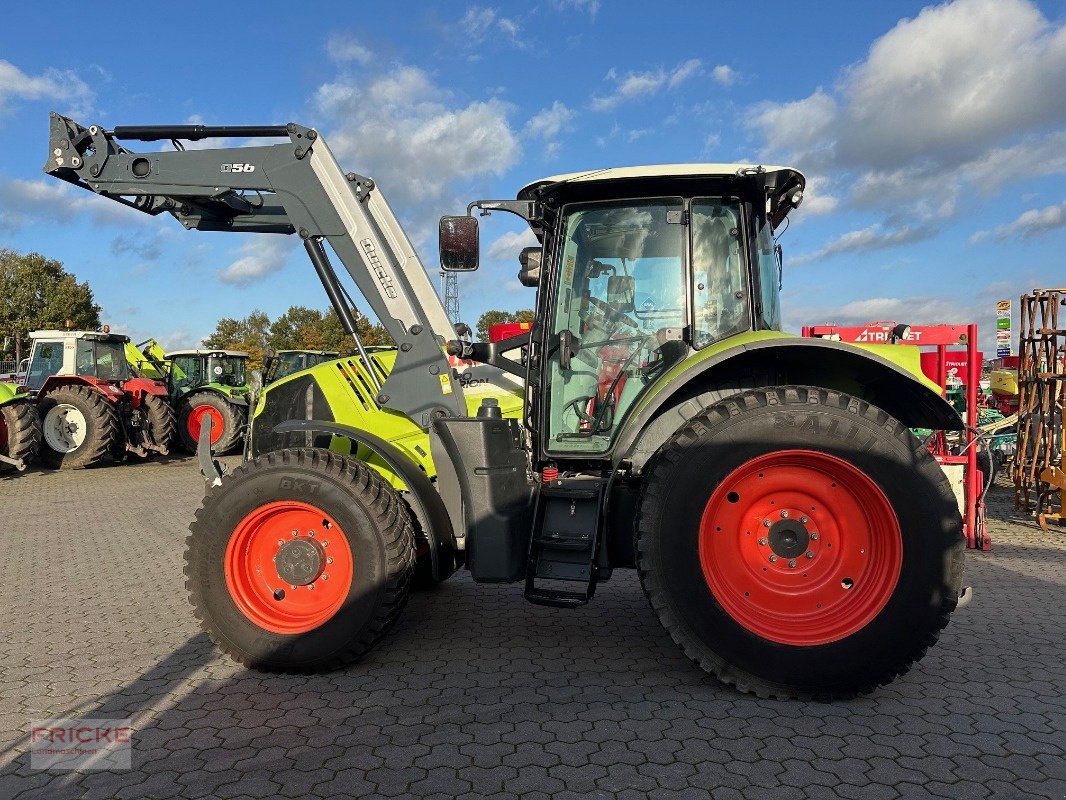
x=292, y=187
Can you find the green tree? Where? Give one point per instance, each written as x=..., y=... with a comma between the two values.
x=249, y=334
x=36, y=293
x=496, y=317
x=302, y=328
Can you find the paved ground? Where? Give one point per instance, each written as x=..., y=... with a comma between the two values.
x=478, y=694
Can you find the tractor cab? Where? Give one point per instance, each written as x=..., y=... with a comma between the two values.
x=90, y=354
x=286, y=362
x=194, y=368
x=639, y=269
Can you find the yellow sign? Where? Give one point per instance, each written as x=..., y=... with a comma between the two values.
x=446, y=384
x=1003, y=305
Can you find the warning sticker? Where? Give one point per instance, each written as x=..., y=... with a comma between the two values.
x=446, y=384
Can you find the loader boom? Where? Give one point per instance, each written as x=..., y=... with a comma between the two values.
x=292, y=187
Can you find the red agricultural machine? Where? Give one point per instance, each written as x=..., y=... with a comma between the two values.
x=91, y=405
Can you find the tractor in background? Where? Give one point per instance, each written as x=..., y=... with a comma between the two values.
x=92, y=406
x=285, y=362
x=20, y=427
x=200, y=383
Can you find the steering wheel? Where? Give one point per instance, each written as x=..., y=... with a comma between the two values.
x=611, y=313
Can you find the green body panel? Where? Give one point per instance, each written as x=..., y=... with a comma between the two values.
x=907, y=358
x=349, y=392
x=12, y=392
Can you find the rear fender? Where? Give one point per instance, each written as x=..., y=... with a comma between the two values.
x=423, y=497
x=139, y=387
x=110, y=391
x=778, y=360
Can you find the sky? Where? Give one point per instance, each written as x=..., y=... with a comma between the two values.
x=933, y=137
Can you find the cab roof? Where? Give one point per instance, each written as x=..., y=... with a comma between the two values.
x=205, y=352
x=783, y=185
x=312, y=352
x=98, y=336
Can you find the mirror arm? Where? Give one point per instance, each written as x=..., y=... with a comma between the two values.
x=529, y=210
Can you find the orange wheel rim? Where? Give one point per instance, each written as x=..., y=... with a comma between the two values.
x=196, y=420
x=288, y=567
x=800, y=547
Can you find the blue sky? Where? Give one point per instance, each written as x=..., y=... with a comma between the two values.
x=932, y=137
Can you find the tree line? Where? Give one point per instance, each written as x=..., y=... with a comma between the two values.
x=299, y=328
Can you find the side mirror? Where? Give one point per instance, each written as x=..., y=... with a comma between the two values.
x=529, y=274
x=458, y=244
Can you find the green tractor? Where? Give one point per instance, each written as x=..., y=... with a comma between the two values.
x=20, y=427
x=283, y=363
x=791, y=534
x=202, y=383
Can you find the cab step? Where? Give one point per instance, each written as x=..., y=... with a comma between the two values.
x=563, y=547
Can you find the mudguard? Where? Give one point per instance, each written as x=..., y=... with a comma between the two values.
x=444, y=555
x=896, y=385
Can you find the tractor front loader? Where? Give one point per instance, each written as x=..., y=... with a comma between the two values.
x=791, y=534
x=20, y=427
x=91, y=406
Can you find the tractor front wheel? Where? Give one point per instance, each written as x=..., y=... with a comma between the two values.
x=20, y=432
x=227, y=420
x=300, y=561
x=80, y=427
x=799, y=542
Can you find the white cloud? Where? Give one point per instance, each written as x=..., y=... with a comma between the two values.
x=874, y=237
x=635, y=85
x=343, y=47
x=590, y=7
x=60, y=86
x=956, y=102
x=508, y=245
x=795, y=128
x=409, y=134
x=51, y=200
x=1032, y=223
x=724, y=74
x=684, y=71
x=817, y=199
x=953, y=81
x=260, y=256
x=481, y=22
x=547, y=123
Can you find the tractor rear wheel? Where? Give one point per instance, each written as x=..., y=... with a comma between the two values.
x=799, y=542
x=160, y=419
x=20, y=432
x=227, y=420
x=300, y=561
x=80, y=427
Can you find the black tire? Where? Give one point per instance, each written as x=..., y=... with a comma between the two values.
x=102, y=434
x=684, y=477
x=20, y=432
x=232, y=416
x=160, y=420
x=368, y=513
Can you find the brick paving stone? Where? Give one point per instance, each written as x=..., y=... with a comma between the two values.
x=477, y=694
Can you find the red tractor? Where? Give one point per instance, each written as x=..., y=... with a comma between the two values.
x=91, y=405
